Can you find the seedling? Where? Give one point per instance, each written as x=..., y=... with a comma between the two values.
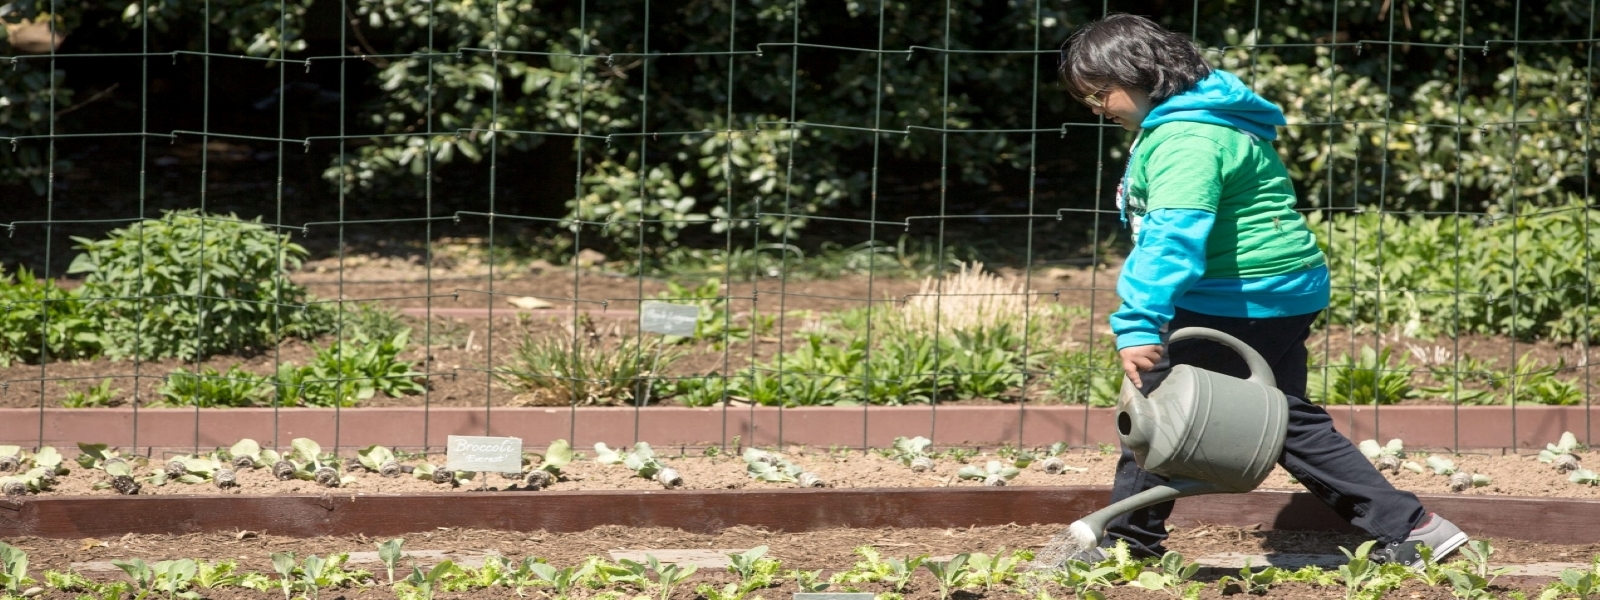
x=310, y=464
x=642, y=460
x=950, y=574
x=992, y=473
x=425, y=583
x=809, y=582
x=14, y=571
x=1053, y=465
x=1582, y=584
x=668, y=576
x=121, y=474
x=211, y=575
x=1584, y=476
x=766, y=466
x=913, y=453
x=560, y=579
x=441, y=475
x=1250, y=582
x=1460, y=481
x=1172, y=576
x=247, y=454
x=555, y=458
x=380, y=460
x=11, y=458
x=874, y=568
x=1561, y=454
x=1386, y=457
x=284, y=563
x=986, y=570
x=389, y=553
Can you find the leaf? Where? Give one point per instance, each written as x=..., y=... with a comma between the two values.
x=605, y=455
x=306, y=449
x=558, y=455
x=47, y=457
x=245, y=447
x=1370, y=449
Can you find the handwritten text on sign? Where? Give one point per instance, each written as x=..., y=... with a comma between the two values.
x=668, y=319
x=481, y=453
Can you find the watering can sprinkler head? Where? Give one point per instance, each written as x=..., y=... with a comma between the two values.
x=1207, y=432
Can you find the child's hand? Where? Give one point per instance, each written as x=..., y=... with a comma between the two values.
x=1139, y=358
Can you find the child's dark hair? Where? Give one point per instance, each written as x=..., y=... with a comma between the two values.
x=1132, y=52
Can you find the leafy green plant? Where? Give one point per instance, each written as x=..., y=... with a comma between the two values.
x=208, y=388
x=912, y=453
x=1172, y=575
x=988, y=571
x=668, y=575
x=248, y=454
x=1368, y=380
x=993, y=473
x=1252, y=582
x=97, y=396
x=809, y=582
x=284, y=563
x=307, y=462
x=560, y=579
x=641, y=460
x=1584, y=476
x=555, y=458
x=425, y=584
x=389, y=554
x=190, y=285
x=39, y=319
x=1561, y=454
x=380, y=460
x=441, y=475
x=950, y=573
x=1387, y=457
x=347, y=373
x=1362, y=577
x=1085, y=376
x=1582, y=584
x=14, y=570
x=755, y=571
x=214, y=575
x=766, y=466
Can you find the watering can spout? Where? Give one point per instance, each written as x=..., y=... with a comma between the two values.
x=1086, y=532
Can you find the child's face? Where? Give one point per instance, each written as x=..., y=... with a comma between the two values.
x=1123, y=106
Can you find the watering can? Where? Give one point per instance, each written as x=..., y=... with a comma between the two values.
x=1208, y=432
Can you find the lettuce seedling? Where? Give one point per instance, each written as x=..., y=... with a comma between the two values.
x=1172, y=575
x=219, y=574
x=992, y=473
x=380, y=460
x=1251, y=582
x=986, y=570
x=809, y=582
x=1561, y=454
x=1386, y=457
x=642, y=460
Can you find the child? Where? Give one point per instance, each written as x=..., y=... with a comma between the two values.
x=1217, y=244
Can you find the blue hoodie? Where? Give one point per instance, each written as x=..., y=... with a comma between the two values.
x=1169, y=258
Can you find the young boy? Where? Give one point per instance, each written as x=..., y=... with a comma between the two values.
x=1217, y=244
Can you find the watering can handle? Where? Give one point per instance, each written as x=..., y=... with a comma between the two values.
x=1260, y=372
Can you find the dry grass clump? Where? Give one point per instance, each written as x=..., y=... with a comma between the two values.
x=968, y=300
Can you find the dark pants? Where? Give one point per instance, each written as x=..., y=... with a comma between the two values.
x=1313, y=452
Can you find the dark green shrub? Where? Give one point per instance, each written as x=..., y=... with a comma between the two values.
x=190, y=285
x=36, y=316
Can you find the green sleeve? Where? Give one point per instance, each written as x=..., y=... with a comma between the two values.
x=1184, y=171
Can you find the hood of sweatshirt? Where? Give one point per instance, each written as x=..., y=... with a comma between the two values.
x=1220, y=99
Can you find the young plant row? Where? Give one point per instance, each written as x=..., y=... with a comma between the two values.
x=1562, y=456
x=1470, y=577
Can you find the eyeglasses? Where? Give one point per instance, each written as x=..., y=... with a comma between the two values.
x=1094, y=100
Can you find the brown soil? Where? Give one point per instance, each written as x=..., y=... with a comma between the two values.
x=456, y=351
x=827, y=550
x=1513, y=475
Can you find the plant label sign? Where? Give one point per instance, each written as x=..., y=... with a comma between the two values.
x=483, y=454
x=668, y=319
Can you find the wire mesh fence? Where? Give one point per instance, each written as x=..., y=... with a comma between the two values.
x=367, y=229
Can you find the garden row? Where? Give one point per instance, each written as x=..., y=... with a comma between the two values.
x=190, y=286
x=750, y=574
x=46, y=470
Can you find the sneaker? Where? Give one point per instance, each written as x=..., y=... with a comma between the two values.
x=1434, y=532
